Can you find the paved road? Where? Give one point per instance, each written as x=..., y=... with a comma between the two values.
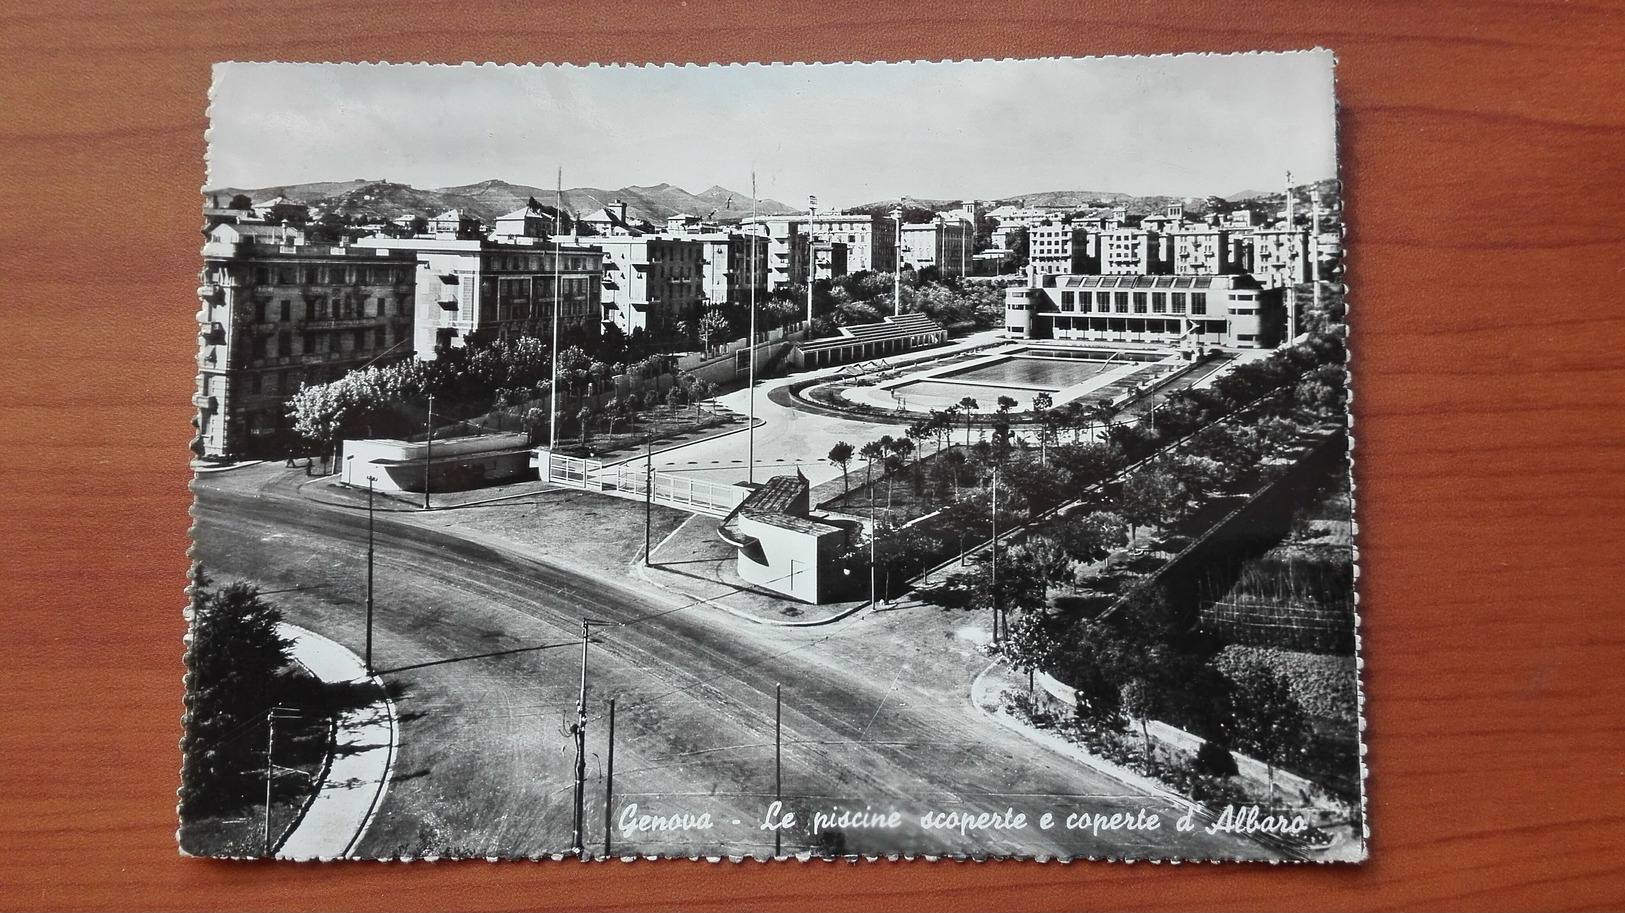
x=479, y=647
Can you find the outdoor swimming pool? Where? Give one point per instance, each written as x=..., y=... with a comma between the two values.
x=1020, y=375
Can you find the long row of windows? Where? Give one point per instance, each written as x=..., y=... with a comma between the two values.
x=333, y=274
x=281, y=345
x=320, y=308
x=1120, y=302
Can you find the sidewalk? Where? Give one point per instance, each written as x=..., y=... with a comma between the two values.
x=363, y=757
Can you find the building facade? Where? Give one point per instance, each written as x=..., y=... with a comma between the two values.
x=650, y=282
x=485, y=289
x=277, y=313
x=867, y=243
x=1232, y=311
x=1061, y=246
x=944, y=243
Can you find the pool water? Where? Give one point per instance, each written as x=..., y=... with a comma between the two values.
x=1023, y=371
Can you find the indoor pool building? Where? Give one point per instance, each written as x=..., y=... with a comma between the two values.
x=1232, y=311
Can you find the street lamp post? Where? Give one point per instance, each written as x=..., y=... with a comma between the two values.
x=897, y=269
x=428, y=452
x=370, y=481
x=812, y=253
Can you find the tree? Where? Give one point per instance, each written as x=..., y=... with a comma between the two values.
x=841, y=455
x=1099, y=696
x=235, y=666
x=1043, y=404
x=1087, y=464
x=1270, y=724
x=585, y=417
x=871, y=453
x=968, y=405
x=1150, y=497
x=713, y=327
x=1093, y=537
x=240, y=201
x=1028, y=645
x=1141, y=702
x=1037, y=486
x=534, y=421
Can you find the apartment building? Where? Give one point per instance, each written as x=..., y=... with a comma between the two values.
x=650, y=282
x=943, y=242
x=480, y=288
x=277, y=312
x=866, y=243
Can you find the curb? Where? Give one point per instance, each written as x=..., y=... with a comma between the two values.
x=384, y=709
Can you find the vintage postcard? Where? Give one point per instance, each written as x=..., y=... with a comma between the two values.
x=887, y=460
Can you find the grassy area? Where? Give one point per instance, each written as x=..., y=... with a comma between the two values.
x=664, y=424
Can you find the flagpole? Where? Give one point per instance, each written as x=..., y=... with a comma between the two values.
x=553, y=387
x=750, y=456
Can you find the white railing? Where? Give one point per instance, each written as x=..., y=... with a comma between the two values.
x=713, y=499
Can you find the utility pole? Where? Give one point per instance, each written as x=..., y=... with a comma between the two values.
x=578, y=843
x=428, y=452
x=648, y=498
x=778, y=763
x=553, y=354
x=270, y=742
x=874, y=535
x=750, y=435
x=609, y=778
x=995, y=544
x=370, y=481
x=812, y=253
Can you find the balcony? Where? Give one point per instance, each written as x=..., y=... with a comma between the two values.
x=447, y=304
x=205, y=402
x=209, y=291
x=342, y=323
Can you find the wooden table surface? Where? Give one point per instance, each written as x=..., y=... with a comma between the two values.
x=1483, y=148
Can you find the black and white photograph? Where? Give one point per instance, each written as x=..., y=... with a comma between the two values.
x=890, y=460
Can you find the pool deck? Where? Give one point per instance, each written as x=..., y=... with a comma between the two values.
x=883, y=395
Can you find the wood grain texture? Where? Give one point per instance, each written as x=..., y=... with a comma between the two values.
x=1483, y=146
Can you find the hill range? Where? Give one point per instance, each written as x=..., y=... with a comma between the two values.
x=385, y=200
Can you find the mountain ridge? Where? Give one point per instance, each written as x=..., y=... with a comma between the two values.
x=382, y=200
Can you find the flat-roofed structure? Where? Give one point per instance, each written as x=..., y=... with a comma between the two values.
x=891, y=336
x=1232, y=311
x=783, y=548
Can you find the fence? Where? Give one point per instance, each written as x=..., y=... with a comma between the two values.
x=698, y=496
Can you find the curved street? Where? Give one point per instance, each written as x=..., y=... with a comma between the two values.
x=478, y=642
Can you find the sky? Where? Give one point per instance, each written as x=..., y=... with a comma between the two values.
x=1183, y=125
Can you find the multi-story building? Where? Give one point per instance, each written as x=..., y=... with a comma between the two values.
x=1277, y=257
x=278, y=312
x=1199, y=250
x=943, y=242
x=1129, y=252
x=869, y=242
x=1061, y=246
x=650, y=282
x=480, y=288
x=1232, y=311
x=726, y=268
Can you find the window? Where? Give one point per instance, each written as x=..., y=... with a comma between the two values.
x=1067, y=300
x=310, y=309
x=1122, y=302
x=1179, y=302
x=284, y=344
x=287, y=310
x=1139, y=302
x=358, y=340
x=262, y=275
x=1159, y=302
x=1198, y=302
x=259, y=312
x=260, y=345
x=308, y=344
